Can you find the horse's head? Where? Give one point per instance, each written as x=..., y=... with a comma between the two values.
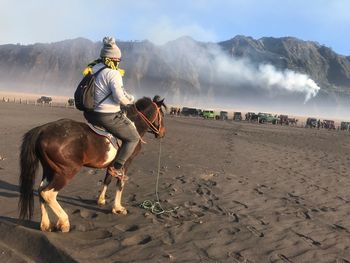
x=159, y=119
x=152, y=114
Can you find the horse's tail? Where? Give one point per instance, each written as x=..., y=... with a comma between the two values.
x=28, y=164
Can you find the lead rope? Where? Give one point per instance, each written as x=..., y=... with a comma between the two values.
x=154, y=206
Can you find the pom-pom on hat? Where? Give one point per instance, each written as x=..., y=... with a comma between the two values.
x=110, y=48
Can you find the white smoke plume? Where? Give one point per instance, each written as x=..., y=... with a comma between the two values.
x=213, y=72
x=288, y=80
x=263, y=76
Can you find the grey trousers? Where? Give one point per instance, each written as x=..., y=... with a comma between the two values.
x=119, y=125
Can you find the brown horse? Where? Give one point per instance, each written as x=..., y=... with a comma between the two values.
x=64, y=146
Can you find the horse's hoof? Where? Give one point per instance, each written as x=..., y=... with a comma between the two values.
x=120, y=211
x=65, y=229
x=64, y=226
x=47, y=227
x=101, y=202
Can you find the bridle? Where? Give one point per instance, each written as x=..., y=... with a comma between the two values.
x=150, y=124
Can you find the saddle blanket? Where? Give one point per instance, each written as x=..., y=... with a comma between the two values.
x=101, y=131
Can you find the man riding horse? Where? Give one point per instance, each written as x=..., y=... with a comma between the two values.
x=109, y=95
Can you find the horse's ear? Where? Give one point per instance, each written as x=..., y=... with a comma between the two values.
x=156, y=98
x=159, y=102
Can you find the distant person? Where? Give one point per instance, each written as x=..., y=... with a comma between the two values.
x=110, y=95
x=318, y=124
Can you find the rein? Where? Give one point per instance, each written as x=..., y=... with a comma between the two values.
x=154, y=206
x=148, y=122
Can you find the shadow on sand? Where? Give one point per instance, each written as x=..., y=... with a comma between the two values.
x=89, y=204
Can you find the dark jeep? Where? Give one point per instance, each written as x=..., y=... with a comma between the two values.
x=311, y=123
x=237, y=116
x=223, y=115
x=189, y=112
x=345, y=126
x=329, y=124
x=251, y=116
x=44, y=100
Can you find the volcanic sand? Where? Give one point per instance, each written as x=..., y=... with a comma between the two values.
x=245, y=193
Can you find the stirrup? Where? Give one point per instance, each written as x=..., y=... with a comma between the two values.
x=117, y=173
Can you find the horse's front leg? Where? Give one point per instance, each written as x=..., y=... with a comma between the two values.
x=101, y=201
x=118, y=208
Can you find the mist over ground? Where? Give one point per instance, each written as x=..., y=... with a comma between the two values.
x=267, y=74
x=226, y=82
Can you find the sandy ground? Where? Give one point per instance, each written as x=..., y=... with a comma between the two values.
x=245, y=192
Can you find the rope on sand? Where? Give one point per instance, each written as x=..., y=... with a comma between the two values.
x=154, y=206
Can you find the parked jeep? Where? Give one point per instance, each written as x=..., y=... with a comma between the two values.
x=237, y=116
x=267, y=118
x=329, y=124
x=44, y=100
x=311, y=123
x=223, y=115
x=251, y=116
x=189, y=112
x=208, y=114
x=345, y=126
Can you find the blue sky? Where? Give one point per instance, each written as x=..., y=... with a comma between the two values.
x=31, y=21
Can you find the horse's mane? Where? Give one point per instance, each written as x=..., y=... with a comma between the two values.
x=143, y=103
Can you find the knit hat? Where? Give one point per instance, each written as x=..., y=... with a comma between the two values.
x=110, y=48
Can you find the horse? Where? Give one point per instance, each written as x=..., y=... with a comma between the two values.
x=64, y=146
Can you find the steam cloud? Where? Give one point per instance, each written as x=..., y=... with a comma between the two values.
x=213, y=72
x=263, y=76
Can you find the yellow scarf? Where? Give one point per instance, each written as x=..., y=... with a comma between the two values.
x=107, y=61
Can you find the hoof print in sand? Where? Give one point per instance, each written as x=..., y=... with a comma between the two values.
x=85, y=227
x=240, y=203
x=255, y=231
x=280, y=257
x=86, y=214
x=309, y=240
x=136, y=240
x=239, y=258
x=339, y=227
x=133, y=228
x=234, y=216
x=92, y=235
x=284, y=258
x=304, y=214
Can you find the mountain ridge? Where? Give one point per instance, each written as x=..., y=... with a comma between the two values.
x=181, y=68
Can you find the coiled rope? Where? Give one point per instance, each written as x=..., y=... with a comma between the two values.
x=154, y=206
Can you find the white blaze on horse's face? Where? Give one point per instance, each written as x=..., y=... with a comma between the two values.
x=110, y=154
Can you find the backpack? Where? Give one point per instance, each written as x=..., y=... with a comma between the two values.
x=85, y=93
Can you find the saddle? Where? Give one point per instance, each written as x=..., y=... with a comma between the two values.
x=101, y=131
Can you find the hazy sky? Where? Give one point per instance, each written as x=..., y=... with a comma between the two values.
x=31, y=21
